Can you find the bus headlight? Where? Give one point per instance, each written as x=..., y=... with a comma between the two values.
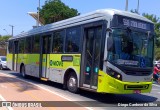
x=114, y=74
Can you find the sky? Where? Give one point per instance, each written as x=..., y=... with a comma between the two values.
x=14, y=12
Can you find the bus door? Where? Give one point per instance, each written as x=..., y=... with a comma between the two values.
x=15, y=55
x=91, y=56
x=45, y=56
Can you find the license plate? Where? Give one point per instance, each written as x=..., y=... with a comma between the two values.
x=137, y=91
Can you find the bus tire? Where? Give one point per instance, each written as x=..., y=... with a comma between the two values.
x=72, y=83
x=23, y=73
x=1, y=67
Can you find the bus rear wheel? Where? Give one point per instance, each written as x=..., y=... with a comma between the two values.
x=23, y=72
x=72, y=83
x=1, y=67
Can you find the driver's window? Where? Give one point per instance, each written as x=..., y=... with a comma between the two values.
x=127, y=43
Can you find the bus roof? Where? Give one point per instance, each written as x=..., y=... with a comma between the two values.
x=81, y=19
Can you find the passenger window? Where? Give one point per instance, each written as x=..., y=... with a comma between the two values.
x=73, y=40
x=28, y=45
x=58, y=39
x=21, y=45
x=10, y=47
x=36, y=44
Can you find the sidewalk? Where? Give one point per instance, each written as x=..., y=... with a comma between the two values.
x=13, y=89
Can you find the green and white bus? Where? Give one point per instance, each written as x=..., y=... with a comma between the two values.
x=105, y=51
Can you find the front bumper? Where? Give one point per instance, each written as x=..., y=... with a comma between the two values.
x=107, y=84
x=4, y=66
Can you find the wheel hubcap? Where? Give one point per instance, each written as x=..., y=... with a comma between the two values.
x=72, y=82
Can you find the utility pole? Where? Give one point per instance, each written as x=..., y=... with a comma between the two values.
x=12, y=29
x=38, y=13
x=126, y=5
x=138, y=6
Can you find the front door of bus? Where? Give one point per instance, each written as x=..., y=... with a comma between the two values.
x=92, y=50
x=45, y=55
x=15, y=55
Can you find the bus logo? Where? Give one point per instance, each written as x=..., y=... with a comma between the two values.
x=56, y=63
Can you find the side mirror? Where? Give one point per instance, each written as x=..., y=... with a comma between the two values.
x=110, y=44
x=110, y=31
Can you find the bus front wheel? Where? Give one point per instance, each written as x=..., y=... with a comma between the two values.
x=72, y=83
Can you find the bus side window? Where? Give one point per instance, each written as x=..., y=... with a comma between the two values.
x=72, y=43
x=21, y=45
x=10, y=47
x=36, y=44
x=58, y=40
x=28, y=45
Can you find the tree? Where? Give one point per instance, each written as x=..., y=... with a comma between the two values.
x=3, y=40
x=55, y=10
x=135, y=11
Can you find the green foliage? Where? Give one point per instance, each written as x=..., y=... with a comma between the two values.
x=135, y=11
x=3, y=40
x=55, y=10
x=157, y=53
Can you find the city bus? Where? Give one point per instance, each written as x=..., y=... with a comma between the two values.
x=105, y=51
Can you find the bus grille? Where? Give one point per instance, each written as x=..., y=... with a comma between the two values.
x=138, y=73
x=136, y=87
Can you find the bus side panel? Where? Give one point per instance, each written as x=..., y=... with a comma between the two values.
x=33, y=64
x=9, y=61
x=27, y=63
x=59, y=63
x=15, y=62
x=48, y=66
x=22, y=59
x=108, y=84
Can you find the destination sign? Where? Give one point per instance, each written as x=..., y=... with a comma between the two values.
x=133, y=23
x=119, y=20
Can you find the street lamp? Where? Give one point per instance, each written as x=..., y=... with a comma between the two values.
x=12, y=29
x=6, y=31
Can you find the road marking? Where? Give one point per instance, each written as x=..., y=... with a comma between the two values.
x=155, y=89
x=31, y=95
x=2, y=99
x=156, y=85
x=89, y=108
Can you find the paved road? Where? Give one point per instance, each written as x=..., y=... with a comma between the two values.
x=12, y=88
x=89, y=99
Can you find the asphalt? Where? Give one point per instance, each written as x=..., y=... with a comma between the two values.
x=92, y=100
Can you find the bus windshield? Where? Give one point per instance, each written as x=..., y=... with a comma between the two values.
x=131, y=48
